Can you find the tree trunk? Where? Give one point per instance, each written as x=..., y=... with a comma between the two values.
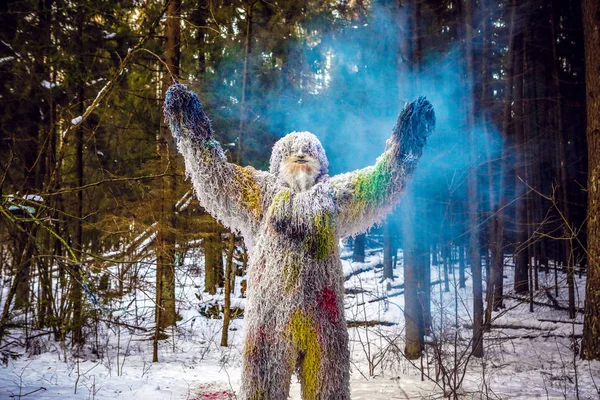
x=76, y=292
x=521, y=283
x=358, y=253
x=462, y=280
x=213, y=262
x=413, y=314
x=591, y=326
x=388, y=262
x=229, y=274
x=474, y=245
x=562, y=163
x=165, y=313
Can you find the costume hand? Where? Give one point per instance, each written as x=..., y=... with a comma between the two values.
x=415, y=123
x=183, y=111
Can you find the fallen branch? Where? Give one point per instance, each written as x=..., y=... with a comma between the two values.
x=124, y=324
x=548, y=335
x=357, y=324
x=27, y=394
x=501, y=326
x=539, y=303
x=358, y=271
x=355, y=291
x=557, y=321
x=393, y=294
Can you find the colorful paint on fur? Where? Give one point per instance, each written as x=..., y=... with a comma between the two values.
x=279, y=203
x=259, y=395
x=304, y=336
x=251, y=195
x=295, y=317
x=291, y=272
x=321, y=243
x=372, y=187
x=328, y=304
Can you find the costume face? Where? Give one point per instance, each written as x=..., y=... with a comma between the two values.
x=300, y=169
x=299, y=160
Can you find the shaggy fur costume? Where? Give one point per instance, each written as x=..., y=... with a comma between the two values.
x=294, y=317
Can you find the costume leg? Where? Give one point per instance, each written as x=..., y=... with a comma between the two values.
x=335, y=364
x=324, y=360
x=266, y=369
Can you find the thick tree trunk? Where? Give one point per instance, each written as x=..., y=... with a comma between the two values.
x=413, y=313
x=165, y=313
x=166, y=256
x=590, y=349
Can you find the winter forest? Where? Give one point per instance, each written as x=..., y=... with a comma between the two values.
x=483, y=282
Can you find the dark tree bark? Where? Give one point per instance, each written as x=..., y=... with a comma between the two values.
x=76, y=292
x=213, y=262
x=521, y=283
x=462, y=280
x=413, y=310
x=388, y=261
x=229, y=280
x=358, y=253
x=166, y=258
x=590, y=350
x=474, y=243
x=569, y=258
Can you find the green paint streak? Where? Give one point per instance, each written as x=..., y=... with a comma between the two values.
x=304, y=336
x=372, y=188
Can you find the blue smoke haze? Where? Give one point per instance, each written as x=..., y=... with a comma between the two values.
x=366, y=90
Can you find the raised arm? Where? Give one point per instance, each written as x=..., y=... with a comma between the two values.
x=365, y=196
x=232, y=194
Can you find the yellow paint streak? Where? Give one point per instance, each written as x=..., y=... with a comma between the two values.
x=291, y=273
x=251, y=194
x=280, y=199
x=304, y=336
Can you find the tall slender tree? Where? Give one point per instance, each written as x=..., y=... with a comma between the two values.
x=166, y=259
x=590, y=350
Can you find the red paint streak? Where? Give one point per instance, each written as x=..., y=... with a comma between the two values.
x=328, y=304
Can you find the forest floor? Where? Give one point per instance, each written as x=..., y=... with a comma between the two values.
x=528, y=355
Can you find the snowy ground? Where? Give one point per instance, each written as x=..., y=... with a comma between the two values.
x=529, y=355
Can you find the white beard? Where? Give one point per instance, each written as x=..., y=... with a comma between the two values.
x=299, y=177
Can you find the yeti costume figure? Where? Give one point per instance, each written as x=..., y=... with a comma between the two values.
x=292, y=218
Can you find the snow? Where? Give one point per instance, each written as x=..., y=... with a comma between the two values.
x=77, y=121
x=529, y=356
x=49, y=85
x=34, y=197
x=94, y=81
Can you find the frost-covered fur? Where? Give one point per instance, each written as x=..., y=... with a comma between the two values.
x=295, y=315
x=299, y=156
